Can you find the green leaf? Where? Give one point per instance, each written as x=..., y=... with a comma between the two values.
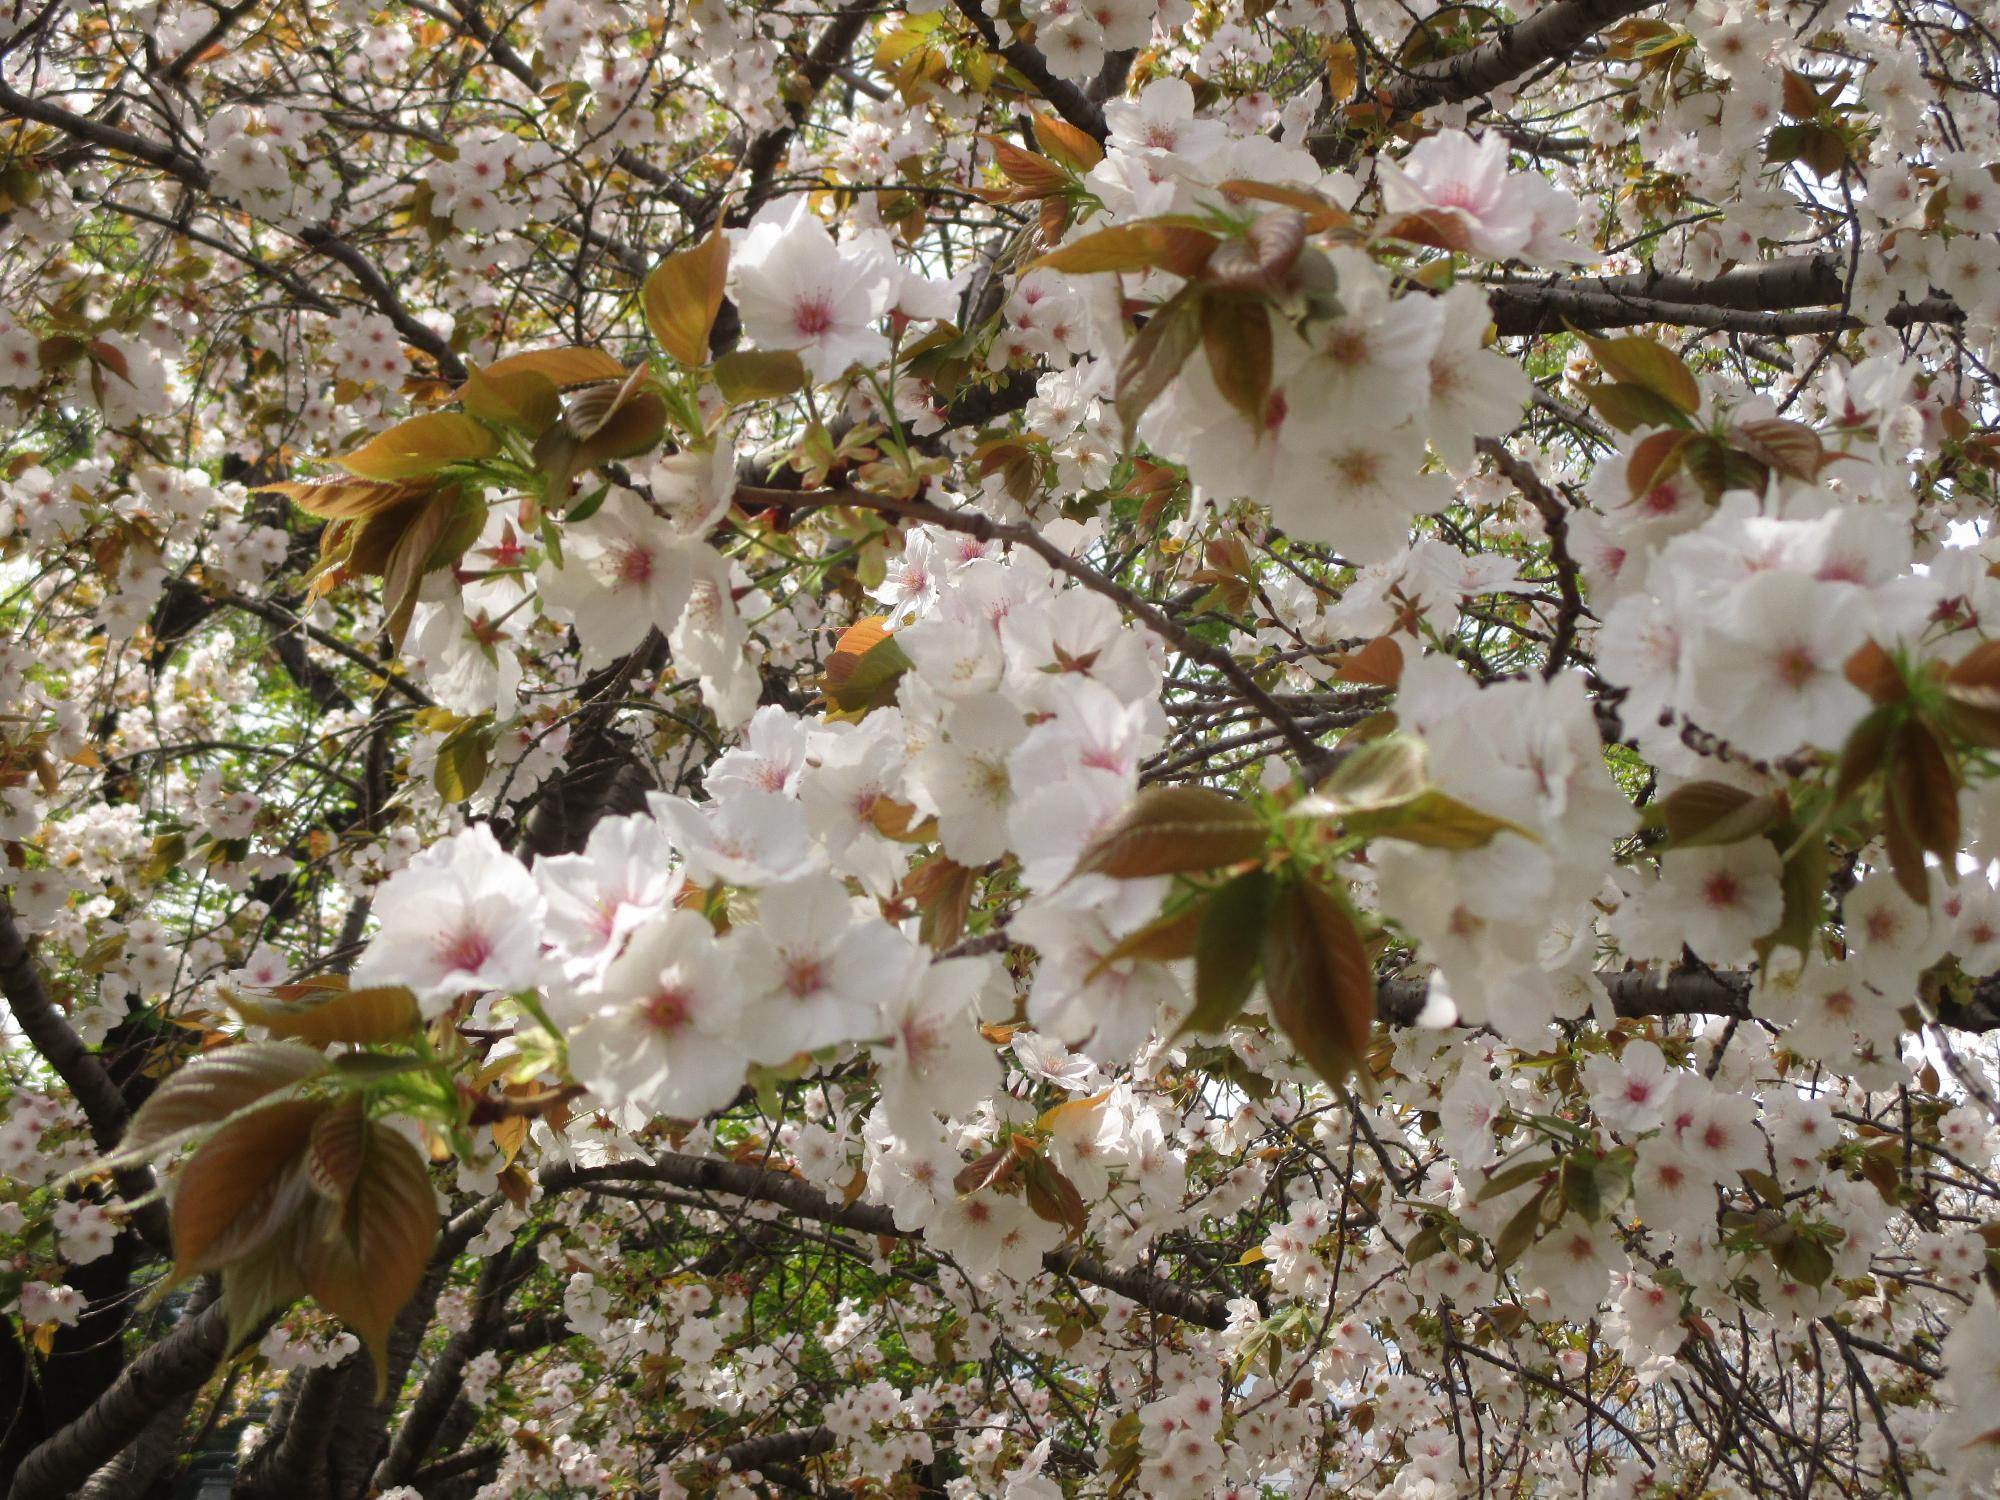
x=1519, y=1232
x=462, y=760
x=1385, y=772
x=1802, y=1256
x=758, y=375
x=1436, y=821
x=262, y=1282
x=1171, y=829
x=1225, y=951
x=1803, y=882
x=1514, y=1174
x=1627, y=407
x=1635, y=360
x=683, y=295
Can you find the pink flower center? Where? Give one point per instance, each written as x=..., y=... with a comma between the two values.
x=465, y=951
x=635, y=565
x=1796, y=668
x=812, y=317
x=668, y=1010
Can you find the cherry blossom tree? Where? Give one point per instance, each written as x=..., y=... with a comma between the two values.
x=1022, y=748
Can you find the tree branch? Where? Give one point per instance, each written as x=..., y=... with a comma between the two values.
x=1550, y=33
x=179, y=1363
x=1763, y=299
x=53, y=1037
x=1066, y=98
x=704, y=1174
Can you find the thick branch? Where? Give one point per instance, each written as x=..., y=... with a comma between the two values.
x=1312, y=758
x=707, y=1175
x=1638, y=993
x=826, y=58
x=179, y=1363
x=754, y=1453
x=1069, y=101
x=371, y=281
x=45, y=1026
x=105, y=137
x=1766, y=299
x=1550, y=33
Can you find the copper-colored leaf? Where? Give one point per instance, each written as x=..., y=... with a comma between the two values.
x=1135, y=247
x=1863, y=755
x=683, y=295
x=1377, y=664
x=420, y=446
x=1037, y=174
x=1797, y=96
x=1161, y=940
x=1236, y=336
x=571, y=366
x=1923, y=789
x=1318, y=980
x=993, y=1170
x=1319, y=215
x=524, y=399
x=635, y=428
x=1174, y=828
x=212, y=1087
x=335, y=1151
x=1973, y=686
x=862, y=670
x=371, y=1257
x=1053, y=1198
x=245, y=1182
x=344, y=499
x=1873, y=670
x=1714, y=812
x=1074, y=148
x=403, y=569
x=1439, y=229
x=591, y=408
x=1155, y=356
x=1791, y=448
x=1654, y=461
x=361, y=1017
